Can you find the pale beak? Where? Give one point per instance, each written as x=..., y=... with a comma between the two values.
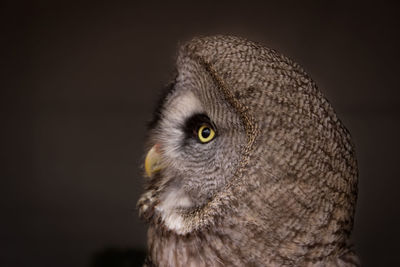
x=152, y=164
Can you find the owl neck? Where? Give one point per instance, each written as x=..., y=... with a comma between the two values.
x=226, y=245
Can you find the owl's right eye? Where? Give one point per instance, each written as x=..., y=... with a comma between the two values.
x=205, y=134
x=200, y=127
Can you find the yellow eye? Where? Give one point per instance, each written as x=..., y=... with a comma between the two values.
x=205, y=134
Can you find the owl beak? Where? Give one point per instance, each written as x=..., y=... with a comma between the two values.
x=152, y=164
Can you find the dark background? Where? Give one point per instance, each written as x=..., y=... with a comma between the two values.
x=79, y=81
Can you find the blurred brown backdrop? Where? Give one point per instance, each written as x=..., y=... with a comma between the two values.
x=78, y=84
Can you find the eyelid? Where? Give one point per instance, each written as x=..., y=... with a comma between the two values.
x=192, y=125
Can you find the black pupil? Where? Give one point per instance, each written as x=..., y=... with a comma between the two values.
x=205, y=132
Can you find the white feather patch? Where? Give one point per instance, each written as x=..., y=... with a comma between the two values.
x=177, y=110
x=168, y=208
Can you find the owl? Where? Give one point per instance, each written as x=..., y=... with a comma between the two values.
x=247, y=164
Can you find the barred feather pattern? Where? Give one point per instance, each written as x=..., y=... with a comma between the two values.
x=288, y=197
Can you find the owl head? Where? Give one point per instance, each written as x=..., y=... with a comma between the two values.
x=243, y=136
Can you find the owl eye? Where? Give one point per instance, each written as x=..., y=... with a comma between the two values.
x=205, y=134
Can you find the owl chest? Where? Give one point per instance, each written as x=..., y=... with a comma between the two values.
x=168, y=249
